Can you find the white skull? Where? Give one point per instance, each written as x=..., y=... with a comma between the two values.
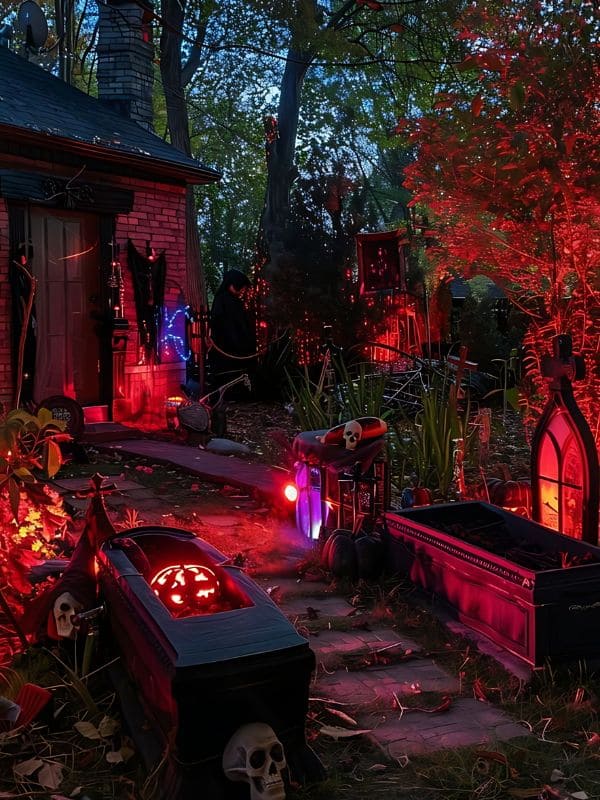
x=64, y=609
x=255, y=755
x=352, y=434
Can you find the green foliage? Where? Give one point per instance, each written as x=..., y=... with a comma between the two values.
x=478, y=331
x=426, y=445
x=309, y=401
x=28, y=443
x=361, y=394
x=353, y=395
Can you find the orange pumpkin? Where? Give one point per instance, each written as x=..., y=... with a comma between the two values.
x=184, y=588
x=509, y=494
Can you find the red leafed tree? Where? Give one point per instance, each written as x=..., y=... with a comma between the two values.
x=509, y=163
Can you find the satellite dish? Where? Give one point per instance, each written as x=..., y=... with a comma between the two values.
x=31, y=22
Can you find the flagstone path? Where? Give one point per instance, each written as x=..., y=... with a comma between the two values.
x=370, y=694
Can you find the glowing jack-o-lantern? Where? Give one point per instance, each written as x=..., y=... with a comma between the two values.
x=185, y=588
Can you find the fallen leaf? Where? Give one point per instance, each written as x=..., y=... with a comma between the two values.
x=556, y=775
x=341, y=733
x=579, y=796
x=108, y=727
x=88, y=730
x=51, y=774
x=377, y=768
x=345, y=717
x=114, y=757
x=26, y=768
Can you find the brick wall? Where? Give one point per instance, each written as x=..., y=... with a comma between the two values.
x=125, y=60
x=158, y=216
x=6, y=381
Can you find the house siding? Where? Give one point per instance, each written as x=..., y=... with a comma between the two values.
x=158, y=217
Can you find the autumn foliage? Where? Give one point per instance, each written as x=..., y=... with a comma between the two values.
x=509, y=163
x=32, y=520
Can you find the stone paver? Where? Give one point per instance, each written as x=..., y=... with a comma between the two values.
x=467, y=722
x=83, y=484
x=286, y=587
x=366, y=686
x=210, y=466
x=326, y=607
x=328, y=645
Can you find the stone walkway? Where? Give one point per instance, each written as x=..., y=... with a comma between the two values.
x=266, y=481
x=371, y=695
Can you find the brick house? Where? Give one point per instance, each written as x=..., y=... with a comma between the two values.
x=92, y=205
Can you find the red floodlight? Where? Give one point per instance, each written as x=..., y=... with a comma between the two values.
x=290, y=492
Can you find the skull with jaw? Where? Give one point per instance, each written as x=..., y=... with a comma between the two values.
x=255, y=755
x=64, y=609
x=352, y=434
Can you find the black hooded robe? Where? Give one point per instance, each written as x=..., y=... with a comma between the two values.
x=232, y=331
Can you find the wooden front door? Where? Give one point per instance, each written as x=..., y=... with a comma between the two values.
x=67, y=266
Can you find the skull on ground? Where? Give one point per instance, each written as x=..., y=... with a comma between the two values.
x=64, y=609
x=255, y=755
x=352, y=434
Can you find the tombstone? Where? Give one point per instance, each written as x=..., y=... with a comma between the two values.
x=564, y=458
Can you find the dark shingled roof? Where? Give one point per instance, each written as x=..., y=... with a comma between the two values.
x=34, y=100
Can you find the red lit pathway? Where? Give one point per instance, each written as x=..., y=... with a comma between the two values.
x=222, y=469
x=365, y=693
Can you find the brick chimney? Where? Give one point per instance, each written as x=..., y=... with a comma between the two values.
x=125, y=58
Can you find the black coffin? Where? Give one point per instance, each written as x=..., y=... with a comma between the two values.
x=530, y=589
x=199, y=677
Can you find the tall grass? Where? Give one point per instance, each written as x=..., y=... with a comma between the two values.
x=352, y=396
x=426, y=444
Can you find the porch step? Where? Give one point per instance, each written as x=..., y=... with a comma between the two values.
x=98, y=432
x=93, y=414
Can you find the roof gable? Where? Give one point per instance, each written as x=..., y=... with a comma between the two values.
x=35, y=101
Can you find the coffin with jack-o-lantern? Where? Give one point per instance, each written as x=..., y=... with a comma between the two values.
x=207, y=652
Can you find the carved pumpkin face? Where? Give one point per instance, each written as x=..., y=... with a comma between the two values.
x=184, y=588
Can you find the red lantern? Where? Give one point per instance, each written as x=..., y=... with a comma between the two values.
x=185, y=588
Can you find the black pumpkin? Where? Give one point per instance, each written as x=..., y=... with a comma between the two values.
x=347, y=556
x=339, y=555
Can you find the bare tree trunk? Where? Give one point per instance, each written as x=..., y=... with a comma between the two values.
x=281, y=170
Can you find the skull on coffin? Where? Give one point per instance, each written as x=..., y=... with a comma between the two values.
x=352, y=434
x=255, y=755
